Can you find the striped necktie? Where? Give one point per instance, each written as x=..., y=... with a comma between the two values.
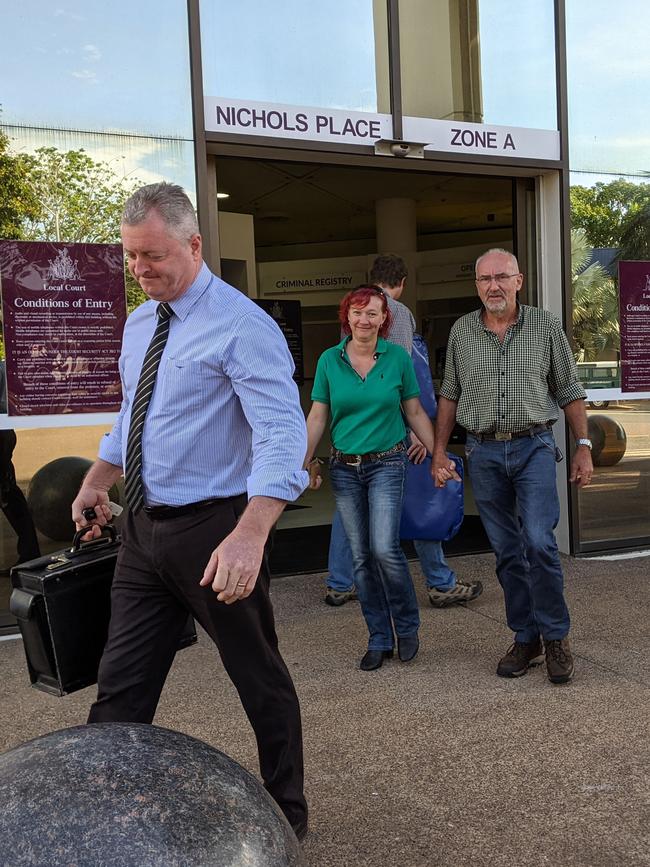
x=146, y=383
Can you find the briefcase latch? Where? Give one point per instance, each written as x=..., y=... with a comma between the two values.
x=57, y=561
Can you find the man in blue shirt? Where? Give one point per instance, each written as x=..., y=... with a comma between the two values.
x=211, y=456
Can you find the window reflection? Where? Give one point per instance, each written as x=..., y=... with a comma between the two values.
x=97, y=66
x=480, y=61
x=616, y=506
x=135, y=158
x=615, y=140
x=329, y=55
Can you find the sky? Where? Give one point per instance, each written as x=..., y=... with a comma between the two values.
x=609, y=85
x=123, y=67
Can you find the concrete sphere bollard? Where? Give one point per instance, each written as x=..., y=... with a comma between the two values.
x=608, y=438
x=133, y=795
x=51, y=492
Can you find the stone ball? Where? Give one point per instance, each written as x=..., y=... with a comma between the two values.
x=132, y=795
x=608, y=438
x=51, y=493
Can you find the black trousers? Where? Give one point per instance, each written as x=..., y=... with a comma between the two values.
x=13, y=502
x=156, y=583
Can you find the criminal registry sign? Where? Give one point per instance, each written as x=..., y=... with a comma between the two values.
x=64, y=309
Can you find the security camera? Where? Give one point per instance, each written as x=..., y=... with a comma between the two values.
x=399, y=149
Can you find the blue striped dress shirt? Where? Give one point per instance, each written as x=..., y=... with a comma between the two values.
x=225, y=417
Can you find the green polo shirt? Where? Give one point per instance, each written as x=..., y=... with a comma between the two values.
x=365, y=413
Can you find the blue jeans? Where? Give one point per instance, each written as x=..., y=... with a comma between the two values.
x=369, y=501
x=515, y=491
x=339, y=561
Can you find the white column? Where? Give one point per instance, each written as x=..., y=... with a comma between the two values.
x=549, y=269
x=396, y=229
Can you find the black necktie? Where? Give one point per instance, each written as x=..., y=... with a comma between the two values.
x=146, y=383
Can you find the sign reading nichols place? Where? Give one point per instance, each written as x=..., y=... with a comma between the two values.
x=243, y=117
x=64, y=309
x=289, y=121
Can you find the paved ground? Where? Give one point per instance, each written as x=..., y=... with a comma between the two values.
x=438, y=762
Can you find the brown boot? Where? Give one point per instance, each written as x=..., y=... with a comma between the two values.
x=520, y=657
x=559, y=661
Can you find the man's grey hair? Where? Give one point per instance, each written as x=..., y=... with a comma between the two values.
x=170, y=202
x=512, y=257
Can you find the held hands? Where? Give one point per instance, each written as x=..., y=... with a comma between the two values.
x=234, y=566
x=443, y=470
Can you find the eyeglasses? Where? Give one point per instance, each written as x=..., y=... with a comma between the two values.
x=498, y=278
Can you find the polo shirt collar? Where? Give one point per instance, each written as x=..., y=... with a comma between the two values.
x=382, y=344
x=182, y=306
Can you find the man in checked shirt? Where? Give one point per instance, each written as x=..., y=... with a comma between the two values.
x=509, y=367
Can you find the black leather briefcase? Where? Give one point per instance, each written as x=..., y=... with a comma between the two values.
x=62, y=603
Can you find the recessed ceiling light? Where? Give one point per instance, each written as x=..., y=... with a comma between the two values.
x=223, y=195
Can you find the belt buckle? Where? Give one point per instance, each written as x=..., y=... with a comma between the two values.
x=502, y=436
x=357, y=463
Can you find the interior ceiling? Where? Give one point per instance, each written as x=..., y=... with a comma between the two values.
x=304, y=202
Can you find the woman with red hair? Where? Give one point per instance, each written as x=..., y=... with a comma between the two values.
x=365, y=383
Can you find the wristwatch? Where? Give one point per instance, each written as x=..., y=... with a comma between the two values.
x=583, y=441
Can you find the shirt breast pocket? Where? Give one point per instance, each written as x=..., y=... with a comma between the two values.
x=186, y=383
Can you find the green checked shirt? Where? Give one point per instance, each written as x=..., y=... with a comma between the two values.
x=513, y=385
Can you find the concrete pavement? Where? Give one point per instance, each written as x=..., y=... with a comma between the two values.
x=437, y=762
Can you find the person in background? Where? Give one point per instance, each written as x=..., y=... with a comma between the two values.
x=12, y=500
x=389, y=272
x=363, y=382
x=509, y=366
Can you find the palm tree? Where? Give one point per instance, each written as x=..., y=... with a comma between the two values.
x=595, y=302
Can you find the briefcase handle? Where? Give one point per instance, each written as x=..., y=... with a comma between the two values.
x=78, y=546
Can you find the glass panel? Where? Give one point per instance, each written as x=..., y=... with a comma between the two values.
x=329, y=55
x=616, y=506
x=49, y=496
x=133, y=159
x=482, y=61
x=110, y=83
x=97, y=66
x=608, y=101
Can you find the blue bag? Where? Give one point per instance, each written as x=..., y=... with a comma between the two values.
x=420, y=358
x=429, y=512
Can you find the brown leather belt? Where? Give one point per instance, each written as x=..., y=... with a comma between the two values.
x=504, y=436
x=356, y=460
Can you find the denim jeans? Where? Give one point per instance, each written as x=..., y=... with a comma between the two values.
x=369, y=501
x=515, y=491
x=339, y=561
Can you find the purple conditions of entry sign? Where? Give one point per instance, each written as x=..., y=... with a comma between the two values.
x=634, y=301
x=64, y=309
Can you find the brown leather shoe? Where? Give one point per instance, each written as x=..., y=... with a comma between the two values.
x=521, y=656
x=559, y=661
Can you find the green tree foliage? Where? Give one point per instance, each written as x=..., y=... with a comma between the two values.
x=17, y=198
x=595, y=302
x=79, y=200
x=606, y=211
x=635, y=239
